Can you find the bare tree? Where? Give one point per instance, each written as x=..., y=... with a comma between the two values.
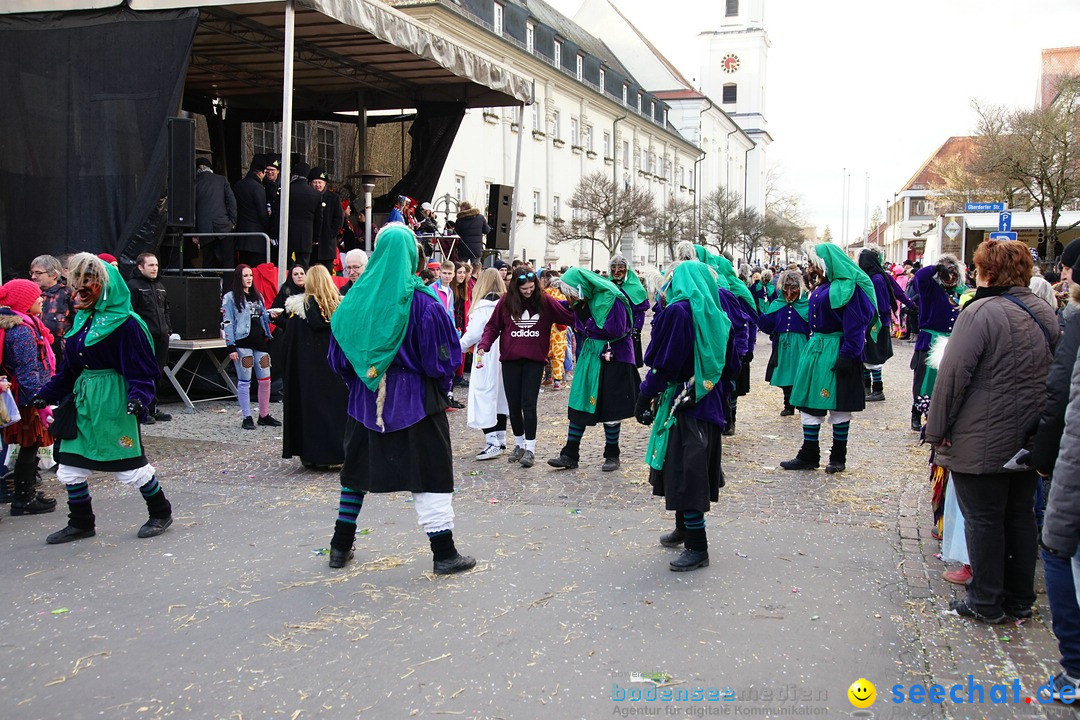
x=720, y=213
x=752, y=230
x=600, y=215
x=670, y=224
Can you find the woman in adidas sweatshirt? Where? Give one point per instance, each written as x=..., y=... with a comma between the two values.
x=522, y=324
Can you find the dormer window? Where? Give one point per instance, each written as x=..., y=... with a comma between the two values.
x=580, y=68
x=624, y=93
x=602, y=78
x=498, y=20
x=530, y=36
x=558, y=53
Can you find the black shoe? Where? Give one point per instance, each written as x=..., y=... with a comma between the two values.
x=41, y=498
x=161, y=416
x=799, y=463
x=788, y=411
x=916, y=420
x=673, y=539
x=148, y=420
x=36, y=506
x=69, y=534
x=248, y=423
x=340, y=558
x=876, y=396
x=609, y=465
x=963, y=609
x=528, y=459
x=268, y=421
x=457, y=564
x=516, y=455
x=729, y=430
x=6, y=493
x=835, y=467
x=1018, y=612
x=690, y=560
x=563, y=461
x=457, y=404
x=155, y=526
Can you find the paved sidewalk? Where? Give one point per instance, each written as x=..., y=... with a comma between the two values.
x=814, y=582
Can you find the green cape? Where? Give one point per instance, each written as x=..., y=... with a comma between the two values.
x=844, y=275
x=602, y=296
x=802, y=305
x=728, y=278
x=600, y=293
x=633, y=288
x=111, y=311
x=370, y=323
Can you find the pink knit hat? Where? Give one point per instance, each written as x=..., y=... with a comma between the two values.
x=20, y=294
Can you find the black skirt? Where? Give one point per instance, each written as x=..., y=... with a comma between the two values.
x=850, y=394
x=615, y=398
x=742, y=383
x=774, y=360
x=415, y=459
x=692, y=475
x=876, y=352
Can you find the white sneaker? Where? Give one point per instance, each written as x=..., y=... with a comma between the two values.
x=490, y=452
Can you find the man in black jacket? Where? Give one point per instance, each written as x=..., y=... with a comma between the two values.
x=215, y=212
x=304, y=205
x=149, y=301
x=272, y=184
x=471, y=227
x=330, y=219
x=252, y=214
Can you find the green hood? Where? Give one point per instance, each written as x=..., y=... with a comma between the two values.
x=727, y=277
x=633, y=288
x=600, y=293
x=371, y=321
x=802, y=305
x=844, y=276
x=111, y=310
x=694, y=283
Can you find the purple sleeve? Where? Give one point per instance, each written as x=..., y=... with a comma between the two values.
x=340, y=364
x=739, y=321
x=561, y=314
x=433, y=345
x=616, y=325
x=639, y=314
x=136, y=362
x=768, y=321
x=669, y=356
x=898, y=292
x=857, y=316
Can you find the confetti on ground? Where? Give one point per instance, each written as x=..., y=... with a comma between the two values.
x=60, y=611
x=574, y=511
x=740, y=554
x=364, y=531
x=796, y=589
x=474, y=472
x=493, y=501
x=321, y=551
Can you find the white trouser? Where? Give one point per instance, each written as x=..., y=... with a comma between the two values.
x=434, y=511
x=874, y=367
x=835, y=417
x=70, y=475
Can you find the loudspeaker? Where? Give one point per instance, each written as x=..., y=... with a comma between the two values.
x=500, y=216
x=194, y=306
x=181, y=191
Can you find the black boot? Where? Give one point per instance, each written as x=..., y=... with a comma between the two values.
x=867, y=384
x=916, y=419
x=26, y=500
x=611, y=458
x=808, y=457
x=676, y=537
x=877, y=393
x=447, y=560
x=341, y=546
x=159, y=509
x=6, y=495
x=837, y=457
x=568, y=456
x=80, y=523
x=729, y=428
x=788, y=410
x=696, y=553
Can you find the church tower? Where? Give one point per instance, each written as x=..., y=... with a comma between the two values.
x=733, y=74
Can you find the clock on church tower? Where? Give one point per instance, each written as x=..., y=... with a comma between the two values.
x=730, y=63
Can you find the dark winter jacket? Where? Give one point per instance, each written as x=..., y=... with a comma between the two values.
x=991, y=383
x=331, y=220
x=1052, y=420
x=1061, y=524
x=471, y=227
x=251, y=213
x=215, y=205
x=149, y=301
x=304, y=205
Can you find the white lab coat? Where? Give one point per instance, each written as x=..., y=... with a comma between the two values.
x=487, y=397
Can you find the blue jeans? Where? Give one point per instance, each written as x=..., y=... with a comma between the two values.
x=1061, y=590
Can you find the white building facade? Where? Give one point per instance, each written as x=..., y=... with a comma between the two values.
x=592, y=114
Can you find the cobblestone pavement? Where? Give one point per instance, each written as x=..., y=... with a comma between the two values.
x=817, y=580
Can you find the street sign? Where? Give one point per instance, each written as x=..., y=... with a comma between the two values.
x=1003, y=235
x=952, y=229
x=1005, y=221
x=984, y=207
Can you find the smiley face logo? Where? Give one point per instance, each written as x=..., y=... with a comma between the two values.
x=862, y=693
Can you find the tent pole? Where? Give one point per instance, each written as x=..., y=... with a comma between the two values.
x=517, y=180
x=286, y=141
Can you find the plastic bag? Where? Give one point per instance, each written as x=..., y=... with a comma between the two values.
x=9, y=411
x=953, y=540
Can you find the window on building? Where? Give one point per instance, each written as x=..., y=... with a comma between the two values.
x=665, y=116
x=643, y=161
x=580, y=67
x=624, y=93
x=682, y=175
x=326, y=149
x=264, y=137
x=536, y=202
x=537, y=121
x=556, y=121
x=730, y=93
x=300, y=138
x=640, y=97
x=603, y=77
x=607, y=144
x=556, y=207
x=530, y=36
x=732, y=9
x=652, y=109
x=626, y=153
x=652, y=163
x=588, y=138
x=574, y=138
x=459, y=187
x=558, y=53
x=515, y=115
x=498, y=19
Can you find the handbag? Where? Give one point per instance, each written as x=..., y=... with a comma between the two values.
x=65, y=417
x=9, y=411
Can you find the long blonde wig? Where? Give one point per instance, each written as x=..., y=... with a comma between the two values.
x=320, y=286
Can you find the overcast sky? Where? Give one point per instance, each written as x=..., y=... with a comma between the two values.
x=875, y=86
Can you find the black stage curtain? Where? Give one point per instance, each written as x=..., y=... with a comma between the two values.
x=433, y=132
x=83, y=138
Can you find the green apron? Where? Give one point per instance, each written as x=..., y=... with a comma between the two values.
x=930, y=377
x=662, y=423
x=815, y=380
x=586, y=385
x=106, y=432
x=790, y=347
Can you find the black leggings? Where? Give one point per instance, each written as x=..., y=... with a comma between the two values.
x=499, y=426
x=521, y=380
